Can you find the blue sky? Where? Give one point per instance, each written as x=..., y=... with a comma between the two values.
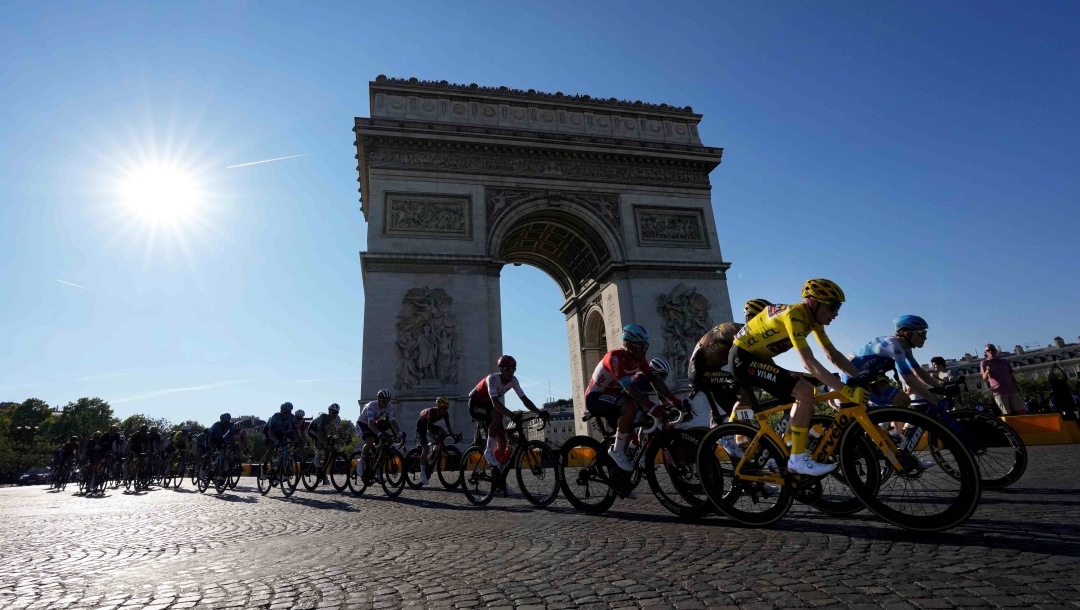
x=923, y=155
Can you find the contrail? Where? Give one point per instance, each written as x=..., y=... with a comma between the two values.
x=75, y=285
x=267, y=161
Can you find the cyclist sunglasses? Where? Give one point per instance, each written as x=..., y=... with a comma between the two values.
x=832, y=306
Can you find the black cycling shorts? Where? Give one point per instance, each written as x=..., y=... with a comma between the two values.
x=365, y=431
x=719, y=388
x=480, y=409
x=607, y=407
x=423, y=428
x=754, y=371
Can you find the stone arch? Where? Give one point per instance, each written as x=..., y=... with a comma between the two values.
x=594, y=342
x=570, y=245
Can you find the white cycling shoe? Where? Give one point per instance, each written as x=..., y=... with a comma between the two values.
x=802, y=464
x=731, y=447
x=489, y=455
x=621, y=459
x=423, y=477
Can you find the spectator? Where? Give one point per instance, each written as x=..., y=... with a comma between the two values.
x=1060, y=392
x=999, y=374
x=940, y=372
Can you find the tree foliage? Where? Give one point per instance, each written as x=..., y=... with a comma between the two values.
x=132, y=423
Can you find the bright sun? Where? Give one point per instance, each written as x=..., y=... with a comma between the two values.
x=160, y=193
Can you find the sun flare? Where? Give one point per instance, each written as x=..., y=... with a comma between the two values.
x=159, y=193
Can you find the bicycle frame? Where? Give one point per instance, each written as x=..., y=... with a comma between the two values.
x=830, y=439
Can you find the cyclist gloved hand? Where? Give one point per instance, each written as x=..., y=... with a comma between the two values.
x=545, y=415
x=855, y=394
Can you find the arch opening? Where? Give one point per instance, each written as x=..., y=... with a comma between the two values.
x=562, y=245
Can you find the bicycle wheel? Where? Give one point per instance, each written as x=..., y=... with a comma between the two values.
x=235, y=470
x=477, y=477
x=671, y=470
x=582, y=475
x=836, y=496
x=357, y=484
x=748, y=502
x=263, y=476
x=999, y=450
x=290, y=474
x=339, y=471
x=449, y=467
x=537, y=473
x=412, y=468
x=221, y=475
x=393, y=472
x=922, y=495
x=310, y=472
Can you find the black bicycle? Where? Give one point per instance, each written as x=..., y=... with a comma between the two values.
x=335, y=466
x=281, y=468
x=591, y=480
x=442, y=459
x=535, y=463
x=384, y=464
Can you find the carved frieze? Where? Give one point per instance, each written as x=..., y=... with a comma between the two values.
x=671, y=227
x=476, y=163
x=427, y=338
x=428, y=215
x=685, y=319
x=604, y=205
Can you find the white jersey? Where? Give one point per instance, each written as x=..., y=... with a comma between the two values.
x=373, y=412
x=494, y=387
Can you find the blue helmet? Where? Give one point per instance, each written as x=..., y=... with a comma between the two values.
x=635, y=333
x=286, y=406
x=226, y=417
x=910, y=323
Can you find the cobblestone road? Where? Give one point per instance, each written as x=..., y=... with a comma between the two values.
x=430, y=548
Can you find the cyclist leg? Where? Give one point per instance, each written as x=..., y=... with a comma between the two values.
x=368, y=436
x=421, y=436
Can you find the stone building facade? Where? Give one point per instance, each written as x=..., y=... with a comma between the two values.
x=1029, y=364
x=612, y=199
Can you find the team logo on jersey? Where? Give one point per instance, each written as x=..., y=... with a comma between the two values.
x=775, y=309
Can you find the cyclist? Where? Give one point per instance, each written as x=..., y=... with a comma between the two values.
x=137, y=445
x=487, y=396
x=320, y=429
x=707, y=368
x=215, y=437
x=375, y=417
x=776, y=330
x=280, y=428
x=895, y=350
x=753, y=307
x=611, y=394
x=427, y=424
x=181, y=441
x=155, y=439
x=301, y=423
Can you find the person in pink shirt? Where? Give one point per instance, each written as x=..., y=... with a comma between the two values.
x=999, y=374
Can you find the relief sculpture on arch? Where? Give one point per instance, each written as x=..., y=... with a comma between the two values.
x=427, y=338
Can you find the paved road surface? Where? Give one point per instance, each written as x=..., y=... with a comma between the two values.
x=180, y=549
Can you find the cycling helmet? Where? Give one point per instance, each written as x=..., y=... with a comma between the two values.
x=299, y=414
x=226, y=417
x=660, y=365
x=634, y=333
x=384, y=394
x=73, y=439
x=442, y=402
x=153, y=429
x=507, y=361
x=753, y=307
x=114, y=428
x=185, y=428
x=334, y=409
x=144, y=427
x=910, y=323
x=822, y=290
x=97, y=433
x=287, y=407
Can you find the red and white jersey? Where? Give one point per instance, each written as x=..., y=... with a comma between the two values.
x=616, y=371
x=493, y=386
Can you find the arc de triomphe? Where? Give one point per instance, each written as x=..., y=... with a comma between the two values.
x=609, y=198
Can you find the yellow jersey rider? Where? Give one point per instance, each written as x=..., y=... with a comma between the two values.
x=776, y=330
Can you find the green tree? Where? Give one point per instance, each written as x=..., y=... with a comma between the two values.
x=132, y=423
x=82, y=418
x=29, y=421
x=196, y=427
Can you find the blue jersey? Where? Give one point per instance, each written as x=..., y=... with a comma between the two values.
x=218, y=430
x=883, y=353
x=281, y=423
